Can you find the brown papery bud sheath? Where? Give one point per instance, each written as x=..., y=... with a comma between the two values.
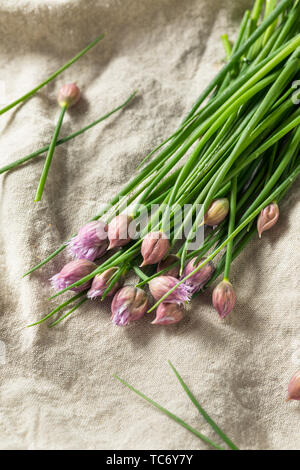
x=217, y=212
x=224, y=298
x=68, y=95
x=294, y=387
x=267, y=218
x=154, y=248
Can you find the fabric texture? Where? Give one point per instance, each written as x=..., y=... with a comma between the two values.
x=57, y=387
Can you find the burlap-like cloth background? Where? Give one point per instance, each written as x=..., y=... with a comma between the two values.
x=57, y=389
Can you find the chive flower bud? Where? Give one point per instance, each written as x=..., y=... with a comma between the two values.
x=73, y=272
x=68, y=95
x=154, y=248
x=160, y=285
x=168, y=314
x=101, y=282
x=129, y=304
x=216, y=212
x=294, y=387
x=267, y=218
x=198, y=280
x=118, y=232
x=168, y=261
x=224, y=298
x=91, y=241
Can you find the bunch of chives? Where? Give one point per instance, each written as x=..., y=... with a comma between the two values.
x=242, y=145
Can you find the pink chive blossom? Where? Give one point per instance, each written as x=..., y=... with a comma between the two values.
x=91, y=242
x=73, y=272
x=129, y=304
x=154, y=248
x=198, y=280
x=168, y=314
x=224, y=298
x=68, y=95
x=160, y=285
x=118, y=231
x=101, y=282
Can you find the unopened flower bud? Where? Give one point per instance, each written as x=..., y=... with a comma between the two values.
x=224, y=298
x=129, y=304
x=217, y=212
x=165, y=263
x=68, y=95
x=168, y=314
x=198, y=280
x=294, y=387
x=118, y=231
x=91, y=242
x=160, y=285
x=101, y=282
x=154, y=247
x=73, y=272
x=267, y=218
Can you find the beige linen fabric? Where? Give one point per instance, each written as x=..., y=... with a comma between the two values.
x=57, y=388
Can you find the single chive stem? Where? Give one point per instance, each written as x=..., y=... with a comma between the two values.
x=202, y=411
x=256, y=11
x=12, y=165
x=227, y=46
x=48, y=161
x=68, y=313
x=57, y=309
x=54, y=75
x=231, y=226
x=171, y=415
x=140, y=273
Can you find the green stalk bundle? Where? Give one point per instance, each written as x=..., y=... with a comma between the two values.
x=240, y=141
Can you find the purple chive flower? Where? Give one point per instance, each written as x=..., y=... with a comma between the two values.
x=91, y=242
x=129, y=304
x=198, y=280
x=160, y=285
x=73, y=272
x=101, y=282
x=168, y=314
